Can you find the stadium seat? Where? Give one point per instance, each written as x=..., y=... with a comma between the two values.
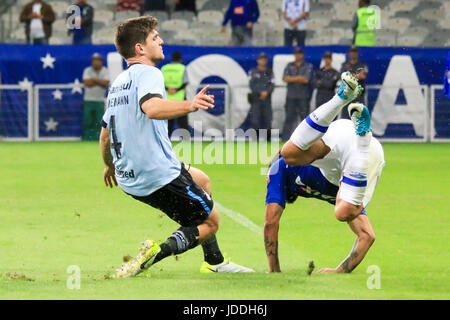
x=386, y=37
x=217, y=39
x=216, y=5
x=321, y=6
x=433, y=14
x=205, y=25
x=18, y=35
x=59, y=27
x=399, y=24
x=174, y=24
x=435, y=40
x=402, y=5
x=409, y=40
x=60, y=39
x=103, y=36
x=183, y=15
x=270, y=14
x=327, y=14
x=210, y=16
x=345, y=14
x=340, y=24
x=317, y=23
x=124, y=15
x=266, y=22
x=445, y=24
x=274, y=37
x=158, y=14
x=319, y=40
x=416, y=31
x=104, y=16
x=59, y=7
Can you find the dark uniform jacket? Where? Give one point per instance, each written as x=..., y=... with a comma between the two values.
x=325, y=81
x=261, y=81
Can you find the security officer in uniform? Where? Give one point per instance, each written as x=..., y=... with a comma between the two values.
x=325, y=80
x=175, y=81
x=261, y=86
x=354, y=65
x=364, y=25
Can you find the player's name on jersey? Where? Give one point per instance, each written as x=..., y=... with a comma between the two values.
x=125, y=174
x=123, y=86
x=117, y=101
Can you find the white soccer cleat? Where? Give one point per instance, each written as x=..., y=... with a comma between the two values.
x=225, y=267
x=349, y=89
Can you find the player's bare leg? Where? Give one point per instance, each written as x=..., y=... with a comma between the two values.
x=365, y=238
x=304, y=145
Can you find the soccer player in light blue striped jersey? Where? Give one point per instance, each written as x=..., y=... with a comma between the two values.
x=139, y=157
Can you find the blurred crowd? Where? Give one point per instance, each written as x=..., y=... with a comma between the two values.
x=38, y=17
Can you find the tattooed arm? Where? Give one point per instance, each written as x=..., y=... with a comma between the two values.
x=271, y=226
x=362, y=228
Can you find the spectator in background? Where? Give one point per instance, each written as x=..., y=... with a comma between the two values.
x=261, y=87
x=353, y=64
x=187, y=5
x=96, y=81
x=129, y=5
x=83, y=23
x=38, y=17
x=295, y=13
x=297, y=75
x=175, y=81
x=364, y=25
x=325, y=80
x=154, y=5
x=243, y=14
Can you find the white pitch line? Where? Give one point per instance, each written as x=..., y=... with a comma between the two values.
x=239, y=218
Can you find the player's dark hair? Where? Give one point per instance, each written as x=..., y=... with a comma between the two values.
x=176, y=56
x=132, y=31
x=290, y=196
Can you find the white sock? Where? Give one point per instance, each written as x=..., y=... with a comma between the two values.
x=316, y=124
x=354, y=182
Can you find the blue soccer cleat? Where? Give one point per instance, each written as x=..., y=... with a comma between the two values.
x=360, y=116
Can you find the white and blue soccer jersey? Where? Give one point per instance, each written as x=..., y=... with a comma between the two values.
x=141, y=149
x=322, y=178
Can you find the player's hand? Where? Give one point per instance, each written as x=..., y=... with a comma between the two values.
x=329, y=270
x=109, y=176
x=202, y=100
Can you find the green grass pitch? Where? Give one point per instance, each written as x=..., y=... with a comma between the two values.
x=55, y=212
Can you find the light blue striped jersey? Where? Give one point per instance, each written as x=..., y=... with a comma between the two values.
x=142, y=152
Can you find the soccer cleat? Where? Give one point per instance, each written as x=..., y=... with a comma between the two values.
x=143, y=261
x=225, y=267
x=349, y=88
x=360, y=116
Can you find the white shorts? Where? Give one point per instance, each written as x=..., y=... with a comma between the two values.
x=340, y=138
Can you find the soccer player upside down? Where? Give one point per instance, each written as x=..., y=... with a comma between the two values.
x=339, y=162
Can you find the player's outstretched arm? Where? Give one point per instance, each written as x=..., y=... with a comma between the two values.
x=105, y=150
x=365, y=238
x=161, y=109
x=271, y=226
